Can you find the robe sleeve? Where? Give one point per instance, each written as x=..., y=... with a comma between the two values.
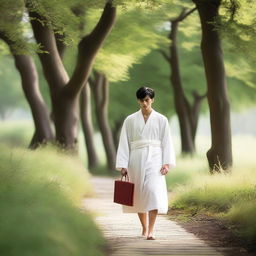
x=168, y=155
x=123, y=151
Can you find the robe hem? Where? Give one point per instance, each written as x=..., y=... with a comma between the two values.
x=160, y=210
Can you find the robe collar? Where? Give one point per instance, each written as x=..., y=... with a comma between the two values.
x=142, y=118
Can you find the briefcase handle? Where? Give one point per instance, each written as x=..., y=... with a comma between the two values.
x=125, y=179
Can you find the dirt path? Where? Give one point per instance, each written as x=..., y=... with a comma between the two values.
x=123, y=230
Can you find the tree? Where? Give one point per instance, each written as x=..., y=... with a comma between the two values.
x=87, y=126
x=220, y=153
x=64, y=91
x=26, y=67
x=100, y=87
x=187, y=113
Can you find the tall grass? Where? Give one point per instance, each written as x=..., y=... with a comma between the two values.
x=40, y=196
x=228, y=196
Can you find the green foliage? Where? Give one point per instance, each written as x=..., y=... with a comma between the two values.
x=238, y=16
x=40, y=201
x=240, y=72
x=237, y=26
x=154, y=71
x=62, y=20
x=14, y=26
x=132, y=37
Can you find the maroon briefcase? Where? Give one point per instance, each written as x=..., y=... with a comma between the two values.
x=123, y=192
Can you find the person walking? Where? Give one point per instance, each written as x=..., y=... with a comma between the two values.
x=145, y=153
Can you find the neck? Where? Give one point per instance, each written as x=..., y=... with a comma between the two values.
x=146, y=111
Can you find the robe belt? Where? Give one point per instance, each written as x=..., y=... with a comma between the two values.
x=144, y=143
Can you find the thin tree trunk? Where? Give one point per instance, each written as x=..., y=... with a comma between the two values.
x=220, y=153
x=187, y=144
x=85, y=106
x=187, y=114
x=194, y=112
x=85, y=115
x=100, y=88
x=65, y=91
x=29, y=80
x=116, y=131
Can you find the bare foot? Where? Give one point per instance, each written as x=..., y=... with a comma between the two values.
x=144, y=232
x=150, y=237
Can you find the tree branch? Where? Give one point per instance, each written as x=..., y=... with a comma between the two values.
x=183, y=15
x=88, y=48
x=188, y=13
x=165, y=55
x=197, y=96
x=53, y=67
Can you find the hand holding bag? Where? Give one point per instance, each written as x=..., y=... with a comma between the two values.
x=124, y=191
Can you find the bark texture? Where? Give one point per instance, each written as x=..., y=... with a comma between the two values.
x=100, y=88
x=220, y=153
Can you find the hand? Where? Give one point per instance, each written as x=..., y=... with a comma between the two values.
x=165, y=169
x=123, y=171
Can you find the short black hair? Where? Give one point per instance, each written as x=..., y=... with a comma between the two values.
x=144, y=91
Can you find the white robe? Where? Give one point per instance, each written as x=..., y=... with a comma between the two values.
x=143, y=149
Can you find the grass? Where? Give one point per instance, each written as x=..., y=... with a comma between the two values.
x=40, y=204
x=231, y=197
x=186, y=168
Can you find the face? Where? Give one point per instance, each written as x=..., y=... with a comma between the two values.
x=145, y=103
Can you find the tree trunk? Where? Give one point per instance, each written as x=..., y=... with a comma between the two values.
x=85, y=114
x=181, y=103
x=187, y=115
x=220, y=153
x=43, y=132
x=65, y=117
x=29, y=80
x=194, y=113
x=65, y=91
x=100, y=88
x=116, y=131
